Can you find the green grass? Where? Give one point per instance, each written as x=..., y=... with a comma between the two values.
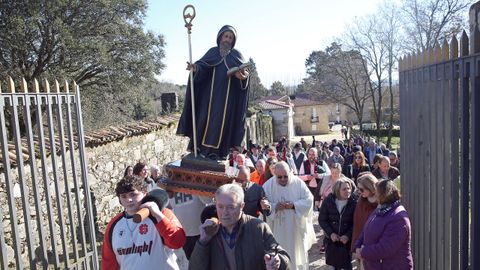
x=395, y=142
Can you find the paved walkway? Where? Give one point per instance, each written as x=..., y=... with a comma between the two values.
x=334, y=134
x=316, y=259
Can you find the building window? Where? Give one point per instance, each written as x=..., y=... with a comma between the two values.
x=314, y=127
x=314, y=117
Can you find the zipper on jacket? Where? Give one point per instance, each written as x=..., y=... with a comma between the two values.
x=341, y=215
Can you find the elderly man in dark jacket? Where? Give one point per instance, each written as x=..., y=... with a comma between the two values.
x=236, y=240
x=253, y=192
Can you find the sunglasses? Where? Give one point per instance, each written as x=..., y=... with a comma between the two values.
x=282, y=176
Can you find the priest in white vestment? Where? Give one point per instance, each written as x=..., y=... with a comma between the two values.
x=291, y=215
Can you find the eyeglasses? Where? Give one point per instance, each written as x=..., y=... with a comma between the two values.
x=282, y=176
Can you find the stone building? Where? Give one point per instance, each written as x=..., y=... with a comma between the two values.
x=310, y=117
x=294, y=116
x=281, y=112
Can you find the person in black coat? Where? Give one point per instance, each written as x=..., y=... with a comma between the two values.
x=336, y=220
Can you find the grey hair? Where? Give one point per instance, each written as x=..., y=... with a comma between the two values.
x=386, y=159
x=337, y=166
x=231, y=189
x=154, y=168
x=336, y=148
x=283, y=165
x=245, y=170
x=314, y=150
x=261, y=160
x=392, y=153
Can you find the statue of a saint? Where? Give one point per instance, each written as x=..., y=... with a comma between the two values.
x=221, y=98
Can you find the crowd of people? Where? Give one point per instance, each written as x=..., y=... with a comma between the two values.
x=264, y=220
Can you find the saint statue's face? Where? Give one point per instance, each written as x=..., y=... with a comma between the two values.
x=227, y=37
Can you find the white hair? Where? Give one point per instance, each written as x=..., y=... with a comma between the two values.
x=314, y=150
x=154, y=168
x=385, y=159
x=231, y=189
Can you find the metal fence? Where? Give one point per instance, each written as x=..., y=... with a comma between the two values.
x=440, y=114
x=46, y=203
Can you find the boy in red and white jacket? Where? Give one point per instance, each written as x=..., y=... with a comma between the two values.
x=144, y=245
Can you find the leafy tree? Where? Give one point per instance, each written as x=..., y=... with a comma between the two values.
x=278, y=89
x=99, y=44
x=257, y=90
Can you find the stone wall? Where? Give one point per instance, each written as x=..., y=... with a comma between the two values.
x=106, y=164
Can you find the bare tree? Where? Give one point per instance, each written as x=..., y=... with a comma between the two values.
x=427, y=22
x=336, y=75
x=366, y=36
x=390, y=20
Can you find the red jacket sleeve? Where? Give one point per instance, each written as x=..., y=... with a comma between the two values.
x=171, y=230
x=109, y=261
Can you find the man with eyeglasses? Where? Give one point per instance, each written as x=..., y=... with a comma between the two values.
x=291, y=213
x=236, y=240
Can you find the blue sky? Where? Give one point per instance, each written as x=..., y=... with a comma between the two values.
x=279, y=35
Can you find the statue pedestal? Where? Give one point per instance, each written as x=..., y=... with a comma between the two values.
x=193, y=179
x=204, y=164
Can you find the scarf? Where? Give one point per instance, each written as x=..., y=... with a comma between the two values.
x=383, y=209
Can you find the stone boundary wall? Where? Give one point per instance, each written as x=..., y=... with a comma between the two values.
x=106, y=164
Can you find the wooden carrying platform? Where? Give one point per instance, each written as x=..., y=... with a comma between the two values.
x=191, y=180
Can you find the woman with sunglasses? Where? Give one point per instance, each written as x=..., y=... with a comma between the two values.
x=366, y=204
x=359, y=165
